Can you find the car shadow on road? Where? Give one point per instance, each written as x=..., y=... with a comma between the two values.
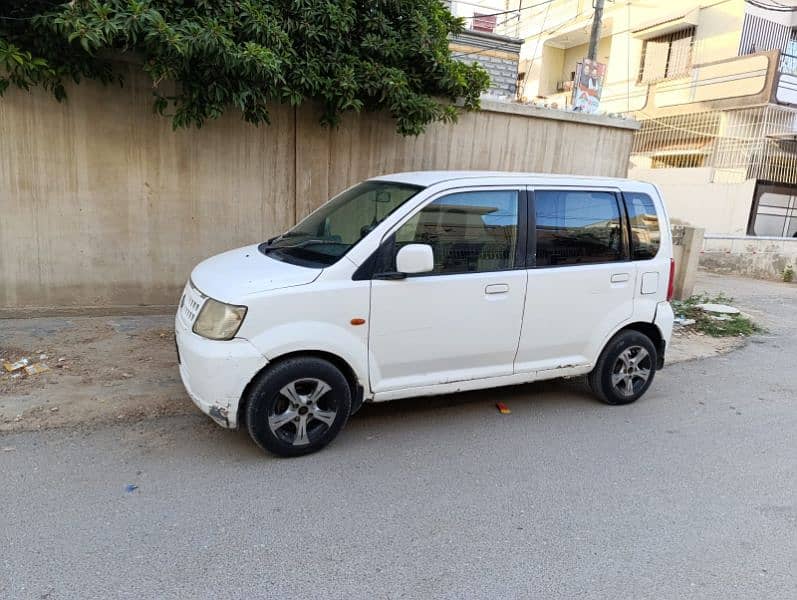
x=381, y=420
x=542, y=394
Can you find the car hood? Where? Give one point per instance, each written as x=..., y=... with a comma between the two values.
x=233, y=275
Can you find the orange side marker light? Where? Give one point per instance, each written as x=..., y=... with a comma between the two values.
x=357, y=321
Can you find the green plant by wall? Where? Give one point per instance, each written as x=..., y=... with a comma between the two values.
x=788, y=274
x=714, y=325
x=208, y=57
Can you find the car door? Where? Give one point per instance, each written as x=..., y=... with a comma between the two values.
x=460, y=321
x=580, y=279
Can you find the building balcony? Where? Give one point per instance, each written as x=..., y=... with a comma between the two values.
x=741, y=81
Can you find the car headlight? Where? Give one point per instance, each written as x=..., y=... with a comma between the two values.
x=219, y=321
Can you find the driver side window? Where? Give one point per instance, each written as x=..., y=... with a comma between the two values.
x=469, y=232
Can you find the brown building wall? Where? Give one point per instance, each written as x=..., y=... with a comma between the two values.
x=103, y=205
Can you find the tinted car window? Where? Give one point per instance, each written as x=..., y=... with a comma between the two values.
x=644, y=222
x=577, y=227
x=469, y=231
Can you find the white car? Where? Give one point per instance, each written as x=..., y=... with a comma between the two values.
x=427, y=283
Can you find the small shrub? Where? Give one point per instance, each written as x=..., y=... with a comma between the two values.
x=734, y=325
x=788, y=274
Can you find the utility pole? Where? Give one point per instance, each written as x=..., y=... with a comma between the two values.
x=597, y=17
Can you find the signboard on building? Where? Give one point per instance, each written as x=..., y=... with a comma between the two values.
x=588, y=86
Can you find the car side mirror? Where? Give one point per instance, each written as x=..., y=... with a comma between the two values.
x=415, y=258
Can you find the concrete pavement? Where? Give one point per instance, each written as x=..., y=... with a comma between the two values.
x=689, y=493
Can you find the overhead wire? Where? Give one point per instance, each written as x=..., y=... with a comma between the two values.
x=553, y=29
x=514, y=11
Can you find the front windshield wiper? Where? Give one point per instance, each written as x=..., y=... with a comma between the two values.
x=287, y=234
x=304, y=243
x=290, y=234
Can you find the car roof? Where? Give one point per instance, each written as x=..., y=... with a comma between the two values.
x=428, y=178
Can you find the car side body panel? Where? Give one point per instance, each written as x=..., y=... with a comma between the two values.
x=315, y=318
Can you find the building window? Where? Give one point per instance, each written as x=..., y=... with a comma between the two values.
x=775, y=211
x=788, y=60
x=667, y=56
x=483, y=22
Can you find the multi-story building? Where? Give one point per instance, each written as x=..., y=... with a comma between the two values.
x=482, y=43
x=714, y=83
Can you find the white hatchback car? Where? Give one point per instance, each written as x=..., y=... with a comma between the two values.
x=427, y=283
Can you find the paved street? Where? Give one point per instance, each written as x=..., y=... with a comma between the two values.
x=689, y=493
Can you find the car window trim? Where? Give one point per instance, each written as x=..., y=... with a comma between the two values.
x=532, y=223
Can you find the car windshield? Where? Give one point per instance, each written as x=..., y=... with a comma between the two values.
x=332, y=230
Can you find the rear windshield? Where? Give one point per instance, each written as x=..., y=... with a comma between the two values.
x=644, y=222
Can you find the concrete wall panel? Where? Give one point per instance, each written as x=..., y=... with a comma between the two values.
x=763, y=258
x=102, y=204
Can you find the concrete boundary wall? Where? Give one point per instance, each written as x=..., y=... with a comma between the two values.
x=687, y=243
x=103, y=205
x=760, y=257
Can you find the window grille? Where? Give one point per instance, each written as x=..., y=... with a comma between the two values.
x=667, y=56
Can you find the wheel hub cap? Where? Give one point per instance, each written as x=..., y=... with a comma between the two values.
x=302, y=412
x=631, y=370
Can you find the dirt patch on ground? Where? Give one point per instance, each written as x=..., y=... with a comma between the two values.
x=690, y=345
x=100, y=369
x=104, y=369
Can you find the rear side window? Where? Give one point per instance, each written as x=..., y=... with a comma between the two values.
x=644, y=224
x=577, y=227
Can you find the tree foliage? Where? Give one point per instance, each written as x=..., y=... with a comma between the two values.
x=206, y=57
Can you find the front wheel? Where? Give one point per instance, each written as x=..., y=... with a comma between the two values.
x=298, y=406
x=625, y=368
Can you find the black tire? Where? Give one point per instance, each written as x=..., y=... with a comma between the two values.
x=284, y=394
x=610, y=378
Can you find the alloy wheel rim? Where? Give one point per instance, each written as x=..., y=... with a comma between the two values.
x=304, y=410
x=631, y=371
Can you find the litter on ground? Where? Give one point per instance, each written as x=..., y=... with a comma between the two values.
x=36, y=369
x=503, y=408
x=683, y=321
x=22, y=362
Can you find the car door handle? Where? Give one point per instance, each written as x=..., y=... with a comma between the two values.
x=620, y=277
x=497, y=288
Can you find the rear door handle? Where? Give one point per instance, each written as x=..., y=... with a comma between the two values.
x=497, y=288
x=620, y=277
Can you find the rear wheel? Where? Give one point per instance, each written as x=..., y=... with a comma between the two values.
x=625, y=368
x=298, y=406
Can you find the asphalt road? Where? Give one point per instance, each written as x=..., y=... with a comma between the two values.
x=689, y=493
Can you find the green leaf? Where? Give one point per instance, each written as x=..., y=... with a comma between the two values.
x=238, y=55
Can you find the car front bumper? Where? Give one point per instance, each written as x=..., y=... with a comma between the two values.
x=215, y=373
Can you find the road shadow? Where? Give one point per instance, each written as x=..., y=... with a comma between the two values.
x=542, y=394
